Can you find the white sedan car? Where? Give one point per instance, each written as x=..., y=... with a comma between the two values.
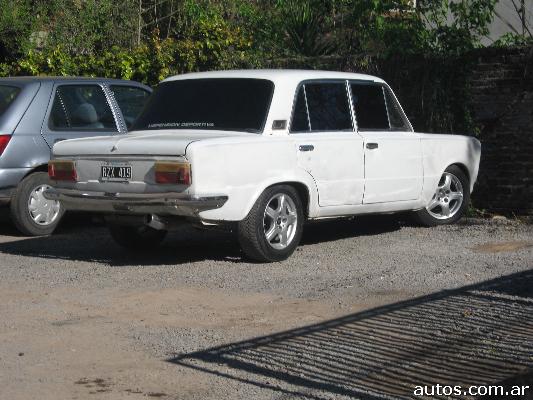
x=264, y=151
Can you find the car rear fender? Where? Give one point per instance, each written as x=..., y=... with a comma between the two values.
x=242, y=168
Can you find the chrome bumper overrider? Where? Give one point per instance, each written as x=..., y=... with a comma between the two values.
x=136, y=203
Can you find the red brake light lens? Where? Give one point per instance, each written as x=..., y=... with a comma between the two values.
x=62, y=171
x=4, y=140
x=173, y=173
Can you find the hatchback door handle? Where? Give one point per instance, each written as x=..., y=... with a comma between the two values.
x=372, y=146
x=307, y=147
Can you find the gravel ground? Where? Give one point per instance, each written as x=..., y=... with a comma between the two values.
x=367, y=308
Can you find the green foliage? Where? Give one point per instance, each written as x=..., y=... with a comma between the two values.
x=513, y=40
x=16, y=28
x=213, y=34
x=88, y=26
x=434, y=26
x=422, y=51
x=454, y=27
x=304, y=28
x=148, y=63
x=380, y=27
x=205, y=39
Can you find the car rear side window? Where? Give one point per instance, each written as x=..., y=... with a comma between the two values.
x=369, y=106
x=8, y=94
x=321, y=106
x=131, y=101
x=81, y=108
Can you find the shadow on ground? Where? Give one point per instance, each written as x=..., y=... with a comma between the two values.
x=79, y=238
x=476, y=335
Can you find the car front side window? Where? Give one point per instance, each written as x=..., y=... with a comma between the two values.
x=81, y=108
x=397, y=119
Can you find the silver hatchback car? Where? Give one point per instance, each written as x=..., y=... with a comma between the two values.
x=35, y=113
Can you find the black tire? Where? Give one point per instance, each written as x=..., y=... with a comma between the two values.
x=251, y=230
x=138, y=239
x=424, y=218
x=19, y=207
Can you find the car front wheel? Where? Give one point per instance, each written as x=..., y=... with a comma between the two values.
x=273, y=228
x=450, y=200
x=31, y=212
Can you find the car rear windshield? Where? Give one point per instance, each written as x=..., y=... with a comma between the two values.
x=8, y=94
x=234, y=104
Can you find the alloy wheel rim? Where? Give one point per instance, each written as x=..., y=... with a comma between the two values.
x=448, y=198
x=280, y=221
x=43, y=211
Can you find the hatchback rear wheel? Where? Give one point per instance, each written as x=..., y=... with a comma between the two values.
x=31, y=212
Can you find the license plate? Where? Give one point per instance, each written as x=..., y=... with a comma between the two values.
x=115, y=172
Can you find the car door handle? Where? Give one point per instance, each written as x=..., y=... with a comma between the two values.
x=307, y=147
x=372, y=146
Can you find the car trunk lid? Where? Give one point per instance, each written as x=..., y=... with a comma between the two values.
x=153, y=143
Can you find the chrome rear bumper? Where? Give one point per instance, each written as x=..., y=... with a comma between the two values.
x=136, y=203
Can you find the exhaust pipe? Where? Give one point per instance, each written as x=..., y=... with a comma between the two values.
x=153, y=221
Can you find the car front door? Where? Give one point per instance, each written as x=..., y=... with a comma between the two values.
x=392, y=151
x=78, y=110
x=327, y=146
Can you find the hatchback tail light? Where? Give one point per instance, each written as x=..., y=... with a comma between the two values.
x=4, y=140
x=62, y=171
x=176, y=173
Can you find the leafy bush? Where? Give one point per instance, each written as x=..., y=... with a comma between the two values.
x=513, y=40
x=422, y=51
x=16, y=28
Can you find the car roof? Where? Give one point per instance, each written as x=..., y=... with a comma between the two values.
x=276, y=75
x=24, y=80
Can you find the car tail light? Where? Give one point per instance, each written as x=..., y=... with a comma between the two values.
x=173, y=173
x=4, y=140
x=62, y=171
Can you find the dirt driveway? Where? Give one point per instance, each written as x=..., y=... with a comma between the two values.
x=365, y=309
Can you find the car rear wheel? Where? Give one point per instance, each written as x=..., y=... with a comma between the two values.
x=32, y=214
x=273, y=228
x=450, y=200
x=137, y=238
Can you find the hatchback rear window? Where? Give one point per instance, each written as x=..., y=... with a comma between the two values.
x=8, y=94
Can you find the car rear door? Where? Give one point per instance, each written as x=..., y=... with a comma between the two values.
x=79, y=109
x=392, y=151
x=327, y=146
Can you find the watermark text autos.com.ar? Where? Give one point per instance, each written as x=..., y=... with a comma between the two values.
x=484, y=390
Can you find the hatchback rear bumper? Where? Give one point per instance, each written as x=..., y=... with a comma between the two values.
x=9, y=180
x=136, y=203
